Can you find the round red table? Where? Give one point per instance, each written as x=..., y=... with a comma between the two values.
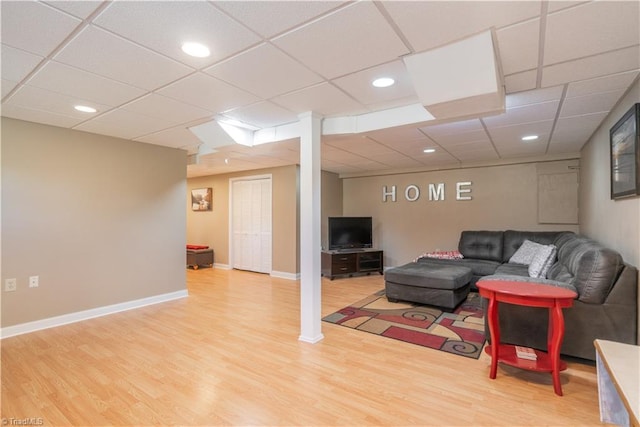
x=530, y=295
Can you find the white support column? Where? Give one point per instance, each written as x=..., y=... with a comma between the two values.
x=310, y=243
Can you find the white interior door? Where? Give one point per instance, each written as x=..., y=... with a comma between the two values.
x=251, y=224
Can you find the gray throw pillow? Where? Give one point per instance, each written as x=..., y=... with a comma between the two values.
x=525, y=253
x=542, y=261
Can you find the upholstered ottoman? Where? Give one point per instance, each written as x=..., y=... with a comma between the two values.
x=440, y=285
x=198, y=257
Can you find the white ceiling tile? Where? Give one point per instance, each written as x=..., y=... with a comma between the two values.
x=602, y=84
x=359, y=86
x=7, y=86
x=508, y=136
x=364, y=147
x=430, y=24
x=345, y=41
x=569, y=147
x=167, y=109
x=480, y=155
x=262, y=115
x=395, y=103
x=76, y=83
x=35, y=27
x=324, y=99
x=537, y=149
x=264, y=71
x=520, y=81
x=17, y=64
x=53, y=102
x=453, y=128
x=177, y=137
x=556, y=5
x=38, y=116
x=590, y=29
x=534, y=97
x=525, y=114
x=274, y=17
x=207, y=92
x=122, y=124
x=103, y=53
x=587, y=104
x=461, y=138
x=576, y=130
x=518, y=46
x=397, y=134
x=81, y=9
x=594, y=66
x=164, y=26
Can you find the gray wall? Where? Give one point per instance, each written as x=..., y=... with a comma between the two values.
x=101, y=220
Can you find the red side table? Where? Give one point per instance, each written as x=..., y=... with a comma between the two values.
x=530, y=295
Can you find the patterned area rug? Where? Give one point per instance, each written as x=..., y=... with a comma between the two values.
x=460, y=332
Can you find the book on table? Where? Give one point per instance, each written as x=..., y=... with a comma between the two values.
x=526, y=353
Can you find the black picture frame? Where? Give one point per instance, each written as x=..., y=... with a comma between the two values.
x=624, y=139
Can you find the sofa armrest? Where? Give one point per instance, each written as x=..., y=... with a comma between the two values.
x=625, y=290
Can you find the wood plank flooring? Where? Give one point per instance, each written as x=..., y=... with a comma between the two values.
x=229, y=355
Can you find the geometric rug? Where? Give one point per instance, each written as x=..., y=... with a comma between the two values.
x=459, y=332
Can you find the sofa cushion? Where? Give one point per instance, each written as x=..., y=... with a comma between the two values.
x=525, y=253
x=432, y=276
x=513, y=239
x=513, y=270
x=542, y=261
x=484, y=245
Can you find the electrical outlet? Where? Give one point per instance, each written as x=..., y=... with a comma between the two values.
x=34, y=281
x=10, y=285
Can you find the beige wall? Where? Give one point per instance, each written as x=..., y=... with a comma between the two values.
x=331, y=201
x=101, y=220
x=614, y=223
x=504, y=197
x=212, y=227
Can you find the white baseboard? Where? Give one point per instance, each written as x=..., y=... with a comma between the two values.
x=222, y=266
x=285, y=275
x=311, y=340
x=52, y=322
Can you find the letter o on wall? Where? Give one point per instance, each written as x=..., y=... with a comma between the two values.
x=416, y=193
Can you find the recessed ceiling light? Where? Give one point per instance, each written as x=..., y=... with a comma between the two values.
x=85, y=109
x=383, y=82
x=429, y=150
x=530, y=138
x=196, y=49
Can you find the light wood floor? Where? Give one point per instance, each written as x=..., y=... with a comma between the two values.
x=229, y=355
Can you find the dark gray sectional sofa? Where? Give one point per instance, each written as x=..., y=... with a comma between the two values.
x=606, y=306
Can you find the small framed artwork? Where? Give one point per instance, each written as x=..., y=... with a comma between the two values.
x=625, y=155
x=201, y=199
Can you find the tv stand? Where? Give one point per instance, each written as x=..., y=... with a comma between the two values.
x=351, y=261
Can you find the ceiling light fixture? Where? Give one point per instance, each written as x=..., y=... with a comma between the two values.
x=383, y=82
x=530, y=138
x=429, y=150
x=196, y=49
x=85, y=109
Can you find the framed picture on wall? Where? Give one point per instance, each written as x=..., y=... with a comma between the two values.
x=201, y=199
x=625, y=155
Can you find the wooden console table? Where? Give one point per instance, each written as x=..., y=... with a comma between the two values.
x=618, y=367
x=530, y=295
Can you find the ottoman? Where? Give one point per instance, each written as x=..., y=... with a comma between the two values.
x=440, y=285
x=198, y=257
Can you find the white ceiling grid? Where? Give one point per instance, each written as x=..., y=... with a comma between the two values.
x=566, y=64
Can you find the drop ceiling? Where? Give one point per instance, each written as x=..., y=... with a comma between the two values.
x=565, y=66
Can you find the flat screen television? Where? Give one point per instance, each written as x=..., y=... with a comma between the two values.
x=349, y=232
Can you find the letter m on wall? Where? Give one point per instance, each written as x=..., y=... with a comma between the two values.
x=436, y=191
